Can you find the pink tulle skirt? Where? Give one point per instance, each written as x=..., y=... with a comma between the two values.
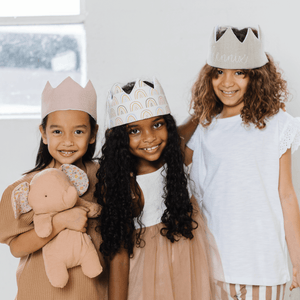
x=183, y=270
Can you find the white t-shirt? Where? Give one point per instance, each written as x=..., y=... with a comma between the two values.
x=234, y=175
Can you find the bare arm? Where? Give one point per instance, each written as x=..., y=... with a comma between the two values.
x=119, y=276
x=291, y=214
x=30, y=242
x=186, y=130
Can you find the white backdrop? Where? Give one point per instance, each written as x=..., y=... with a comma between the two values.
x=165, y=38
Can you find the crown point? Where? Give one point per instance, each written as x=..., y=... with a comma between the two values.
x=48, y=86
x=89, y=86
x=116, y=89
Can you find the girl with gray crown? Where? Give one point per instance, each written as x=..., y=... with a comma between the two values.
x=241, y=152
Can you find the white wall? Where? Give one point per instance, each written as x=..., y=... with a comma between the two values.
x=165, y=38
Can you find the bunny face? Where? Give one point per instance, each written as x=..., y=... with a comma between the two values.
x=51, y=192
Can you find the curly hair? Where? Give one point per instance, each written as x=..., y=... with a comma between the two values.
x=115, y=186
x=265, y=95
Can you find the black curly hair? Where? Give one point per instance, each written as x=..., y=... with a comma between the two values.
x=116, y=182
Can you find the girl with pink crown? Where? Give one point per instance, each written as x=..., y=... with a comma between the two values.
x=154, y=236
x=241, y=172
x=68, y=130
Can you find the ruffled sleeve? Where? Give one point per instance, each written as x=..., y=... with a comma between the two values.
x=289, y=132
x=10, y=225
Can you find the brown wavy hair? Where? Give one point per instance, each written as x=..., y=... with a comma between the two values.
x=265, y=95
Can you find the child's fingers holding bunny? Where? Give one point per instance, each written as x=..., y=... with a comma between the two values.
x=75, y=218
x=94, y=208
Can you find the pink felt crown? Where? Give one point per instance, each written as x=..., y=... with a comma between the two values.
x=69, y=95
x=142, y=103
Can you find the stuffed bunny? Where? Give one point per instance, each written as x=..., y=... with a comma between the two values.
x=50, y=192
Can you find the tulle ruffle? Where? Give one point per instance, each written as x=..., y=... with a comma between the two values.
x=186, y=269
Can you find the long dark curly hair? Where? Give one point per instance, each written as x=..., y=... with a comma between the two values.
x=116, y=183
x=266, y=92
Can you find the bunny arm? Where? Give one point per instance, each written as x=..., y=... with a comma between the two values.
x=43, y=224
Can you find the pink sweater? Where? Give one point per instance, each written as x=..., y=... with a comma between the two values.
x=32, y=281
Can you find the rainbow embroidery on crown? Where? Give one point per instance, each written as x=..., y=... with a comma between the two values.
x=125, y=98
x=122, y=110
x=118, y=121
x=131, y=118
x=142, y=103
x=117, y=89
x=154, y=92
x=150, y=102
x=145, y=114
x=159, y=111
x=138, y=94
x=136, y=105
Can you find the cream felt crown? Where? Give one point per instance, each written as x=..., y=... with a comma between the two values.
x=229, y=53
x=142, y=103
x=69, y=95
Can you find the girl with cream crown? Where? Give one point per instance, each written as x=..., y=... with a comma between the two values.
x=153, y=235
x=68, y=132
x=241, y=153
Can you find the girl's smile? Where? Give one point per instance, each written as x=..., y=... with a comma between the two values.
x=229, y=94
x=152, y=149
x=67, y=153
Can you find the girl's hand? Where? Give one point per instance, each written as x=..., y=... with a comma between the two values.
x=74, y=218
x=94, y=208
x=296, y=279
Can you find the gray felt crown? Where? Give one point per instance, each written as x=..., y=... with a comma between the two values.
x=229, y=53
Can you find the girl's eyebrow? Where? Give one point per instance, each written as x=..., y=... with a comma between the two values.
x=58, y=126
x=156, y=119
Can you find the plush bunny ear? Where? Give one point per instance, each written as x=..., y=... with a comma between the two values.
x=19, y=199
x=77, y=177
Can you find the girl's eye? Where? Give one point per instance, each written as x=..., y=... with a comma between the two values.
x=157, y=125
x=239, y=73
x=133, y=131
x=56, y=131
x=219, y=72
x=78, y=131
